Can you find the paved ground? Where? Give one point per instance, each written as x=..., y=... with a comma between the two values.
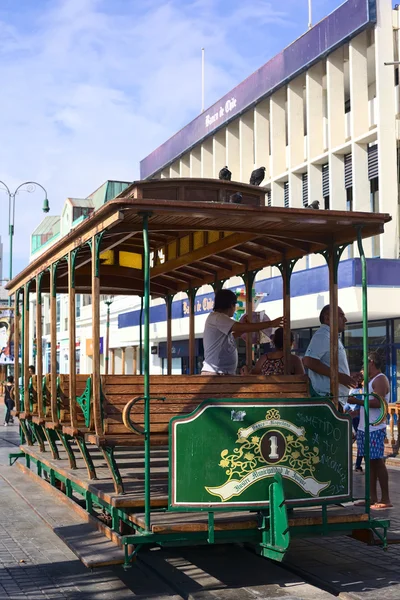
x=35, y=563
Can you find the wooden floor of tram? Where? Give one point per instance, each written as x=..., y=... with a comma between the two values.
x=131, y=465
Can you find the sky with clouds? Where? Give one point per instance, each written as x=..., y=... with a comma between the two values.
x=90, y=87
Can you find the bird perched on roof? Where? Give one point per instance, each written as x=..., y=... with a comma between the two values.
x=236, y=198
x=225, y=174
x=257, y=176
x=314, y=205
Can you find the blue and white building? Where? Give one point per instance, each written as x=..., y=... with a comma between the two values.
x=323, y=118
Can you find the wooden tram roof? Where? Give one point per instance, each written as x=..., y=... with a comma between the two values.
x=196, y=237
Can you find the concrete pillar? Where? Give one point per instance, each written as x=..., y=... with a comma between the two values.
x=246, y=145
x=295, y=190
x=335, y=98
x=277, y=194
x=361, y=187
x=195, y=162
x=337, y=191
x=386, y=119
x=359, y=85
x=233, y=149
x=278, y=132
x=175, y=169
x=219, y=151
x=315, y=184
x=315, y=110
x=184, y=166
x=261, y=137
x=207, y=158
x=295, y=109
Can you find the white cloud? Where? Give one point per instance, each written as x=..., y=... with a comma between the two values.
x=89, y=87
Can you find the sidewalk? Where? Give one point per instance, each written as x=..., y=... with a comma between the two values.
x=367, y=572
x=36, y=564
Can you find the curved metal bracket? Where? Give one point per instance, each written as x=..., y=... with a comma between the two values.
x=73, y=255
x=97, y=240
x=383, y=409
x=337, y=255
x=126, y=416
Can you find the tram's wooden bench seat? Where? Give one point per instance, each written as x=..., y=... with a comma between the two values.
x=182, y=395
x=63, y=404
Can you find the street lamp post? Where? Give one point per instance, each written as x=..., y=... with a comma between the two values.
x=30, y=187
x=107, y=349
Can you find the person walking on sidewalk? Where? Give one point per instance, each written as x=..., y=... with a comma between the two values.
x=379, y=384
x=9, y=399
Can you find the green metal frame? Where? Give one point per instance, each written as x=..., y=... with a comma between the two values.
x=146, y=366
x=84, y=401
x=365, y=362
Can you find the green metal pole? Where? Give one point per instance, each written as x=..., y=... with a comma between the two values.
x=365, y=361
x=22, y=395
x=146, y=365
x=141, y=336
x=11, y=201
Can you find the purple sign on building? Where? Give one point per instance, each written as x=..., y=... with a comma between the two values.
x=345, y=22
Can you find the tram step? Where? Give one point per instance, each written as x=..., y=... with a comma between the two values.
x=78, y=530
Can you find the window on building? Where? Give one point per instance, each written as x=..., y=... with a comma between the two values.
x=373, y=161
x=374, y=197
x=349, y=198
x=349, y=206
x=305, y=188
x=286, y=194
x=66, y=324
x=377, y=334
x=78, y=305
x=348, y=171
x=81, y=211
x=58, y=312
x=325, y=185
x=86, y=300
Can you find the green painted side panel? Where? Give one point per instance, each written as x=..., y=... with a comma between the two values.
x=226, y=453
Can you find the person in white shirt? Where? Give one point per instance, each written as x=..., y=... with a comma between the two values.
x=317, y=358
x=379, y=384
x=220, y=331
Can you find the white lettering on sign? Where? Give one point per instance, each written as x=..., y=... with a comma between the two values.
x=229, y=106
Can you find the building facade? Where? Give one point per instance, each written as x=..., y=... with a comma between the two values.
x=322, y=117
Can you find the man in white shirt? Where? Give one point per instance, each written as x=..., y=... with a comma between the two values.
x=220, y=331
x=317, y=358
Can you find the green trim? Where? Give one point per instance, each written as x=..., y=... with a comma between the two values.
x=337, y=254
x=39, y=288
x=86, y=457
x=286, y=269
x=365, y=362
x=275, y=527
x=65, y=442
x=146, y=366
x=37, y=432
x=22, y=340
x=84, y=401
x=108, y=453
x=50, y=437
x=74, y=254
x=97, y=240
